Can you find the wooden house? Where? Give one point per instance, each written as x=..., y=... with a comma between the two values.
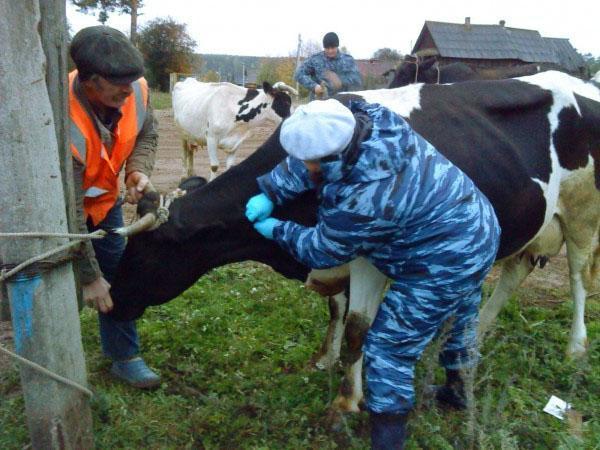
x=484, y=46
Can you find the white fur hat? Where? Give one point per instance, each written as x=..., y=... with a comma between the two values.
x=318, y=129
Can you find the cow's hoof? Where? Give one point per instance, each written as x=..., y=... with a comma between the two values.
x=577, y=350
x=346, y=404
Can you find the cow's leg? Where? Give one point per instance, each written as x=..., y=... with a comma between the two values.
x=186, y=150
x=230, y=161
x=231, y=153
x=580, y=219
x=577, y=258
x=329, y=353
x=212, y=146
x=514, y=270
x=331, y=283
x=366, y=289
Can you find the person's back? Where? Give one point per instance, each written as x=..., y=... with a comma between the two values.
x=330, y=69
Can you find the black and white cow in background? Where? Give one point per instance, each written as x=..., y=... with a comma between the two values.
x=223, y=115
x=532, y=145
x=427, y=70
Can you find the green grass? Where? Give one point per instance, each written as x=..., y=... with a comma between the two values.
x=233, y=353
x=160, y=100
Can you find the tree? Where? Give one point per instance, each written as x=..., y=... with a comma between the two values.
x=211, y=77
x=310, y=47
x=167, y=48
x=387, y=54
x=267, y=71
x=592, y=62
x=109, y=6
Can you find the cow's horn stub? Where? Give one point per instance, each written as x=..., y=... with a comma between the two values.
x=281, y=86
x=144, y=223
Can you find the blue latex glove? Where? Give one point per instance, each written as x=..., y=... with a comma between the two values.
x=265, y=227
x=259, y=207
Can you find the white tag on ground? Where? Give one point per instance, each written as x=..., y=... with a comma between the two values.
x=557, y=407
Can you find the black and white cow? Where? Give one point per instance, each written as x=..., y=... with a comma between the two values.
x=532, y=145
x=427, y=70
x=223, y=115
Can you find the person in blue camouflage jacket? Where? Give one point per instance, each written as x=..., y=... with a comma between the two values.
x=335, y=69
x=387, y=195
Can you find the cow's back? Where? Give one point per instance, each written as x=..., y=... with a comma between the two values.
x=499, y=133
x=197, y=105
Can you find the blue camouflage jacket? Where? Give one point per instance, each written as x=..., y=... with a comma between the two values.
x=311, y=71
x=398, y=202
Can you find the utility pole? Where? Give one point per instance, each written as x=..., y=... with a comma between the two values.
x=298, y=56
x=133, y=26
x=43, y=302
x=243, y=75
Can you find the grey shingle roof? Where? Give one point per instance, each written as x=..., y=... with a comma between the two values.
x=490, y=42
x=567, y=55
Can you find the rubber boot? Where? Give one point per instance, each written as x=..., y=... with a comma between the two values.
x=388, y=431
x=452, y=394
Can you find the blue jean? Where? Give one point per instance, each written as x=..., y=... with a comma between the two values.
x=119, y=339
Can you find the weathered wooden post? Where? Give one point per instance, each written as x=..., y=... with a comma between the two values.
x=53, y=32
x=43, y=303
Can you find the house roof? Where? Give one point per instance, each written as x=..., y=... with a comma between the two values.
x=567, y=55
x=468, y=40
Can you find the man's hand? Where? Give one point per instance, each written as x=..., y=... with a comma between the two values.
x=96, y=295
x=265, y=227
x=135, y=183
x=259, y=207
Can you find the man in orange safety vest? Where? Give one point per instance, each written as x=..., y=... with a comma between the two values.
x=111, y=126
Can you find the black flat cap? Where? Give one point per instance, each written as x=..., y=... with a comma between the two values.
x=331, y=40
x=107, y=52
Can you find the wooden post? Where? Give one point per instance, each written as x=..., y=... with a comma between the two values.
x=53, y=32
x=43, y=304
x=172, y=81
x=4, y=309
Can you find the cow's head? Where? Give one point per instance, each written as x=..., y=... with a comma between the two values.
x=150, y=205
x=280, y=93
x=412, y=69
x=271, y=104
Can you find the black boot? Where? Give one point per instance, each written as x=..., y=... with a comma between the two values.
x=388, y=431
x=452, y=394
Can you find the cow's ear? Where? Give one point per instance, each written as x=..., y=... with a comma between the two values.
x=268, y=88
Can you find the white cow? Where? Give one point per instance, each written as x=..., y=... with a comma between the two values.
x=223, y=115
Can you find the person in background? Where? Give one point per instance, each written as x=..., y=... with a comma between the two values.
x=331, y=68
x=112, y=125
x=387, y=195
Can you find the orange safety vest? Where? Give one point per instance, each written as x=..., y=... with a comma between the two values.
x=101, y=175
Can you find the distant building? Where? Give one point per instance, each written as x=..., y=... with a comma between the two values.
x=375, y=72
x=497, y=45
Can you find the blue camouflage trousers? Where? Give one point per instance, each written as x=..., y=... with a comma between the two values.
x=408, y=319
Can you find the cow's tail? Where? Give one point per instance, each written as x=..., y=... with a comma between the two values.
x=590, y=113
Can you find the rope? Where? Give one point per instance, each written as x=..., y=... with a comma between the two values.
x=47, y=372
x=35, y=234
x=4, y=275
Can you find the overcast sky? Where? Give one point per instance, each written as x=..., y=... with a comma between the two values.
x=271, y=27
